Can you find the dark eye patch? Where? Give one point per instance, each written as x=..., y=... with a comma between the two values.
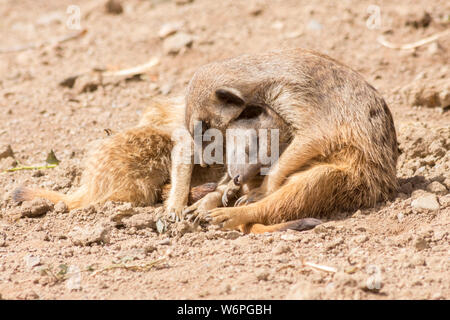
x=229, y=97
x=251, y=112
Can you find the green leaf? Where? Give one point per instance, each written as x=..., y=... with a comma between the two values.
x=62, y=269
x=51, y=158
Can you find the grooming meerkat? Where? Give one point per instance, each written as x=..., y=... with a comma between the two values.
x=252, y=128
x=344, y=149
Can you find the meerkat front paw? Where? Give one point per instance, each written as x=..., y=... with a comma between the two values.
x=175, y=213
x=253, y=196
x=229, y=218
x=199, y=209
x=196, y=211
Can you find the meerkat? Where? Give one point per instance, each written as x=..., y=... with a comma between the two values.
x=242, y=177
x=251, y=127
x=344, y=149
x=132, y=165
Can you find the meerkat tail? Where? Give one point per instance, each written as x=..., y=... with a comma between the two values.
x=298, y=225
x=73, y=200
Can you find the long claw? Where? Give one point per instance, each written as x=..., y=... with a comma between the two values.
x=172, y=215
x=189, y=210
x=225, y=200
x=240, y=201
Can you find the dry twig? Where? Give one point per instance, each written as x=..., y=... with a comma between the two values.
x=409, y=46
x=36, y=45
x=144, y=267
x=319, y=267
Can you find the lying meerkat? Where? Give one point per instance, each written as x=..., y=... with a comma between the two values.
x=132, y=165
x=344, y=150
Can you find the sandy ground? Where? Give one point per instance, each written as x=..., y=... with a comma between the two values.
x=398, y=250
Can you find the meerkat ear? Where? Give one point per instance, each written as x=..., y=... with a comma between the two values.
x=230, y=95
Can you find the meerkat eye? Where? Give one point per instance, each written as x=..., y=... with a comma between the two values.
x=251, y=112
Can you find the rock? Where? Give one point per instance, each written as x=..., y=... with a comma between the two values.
x=263, y=276
x=86, y=236
x=183, y=227
x=422, y=22
x=293, y=35
x=418, y=261
x=37, y=173
x=166, y=88
x=406, y=188
x=437, y=188
x=74, y=281
x=6, y=151
x=256, y=11
x=61, y=207
x=323, y=228
x=161, y=226
x=290, y=237
x=121, y=212
x=32, y=261
x=28, y=295
x=434, y=48
x=277, y=25
x=140, y=221
x=281, y=248
x=437, y=149
x=304, y=290
x=344, y=279
x=445, y=200
x=176, y=43
x=183, y=2
x=421, y=244
x=169, y=29
x=232, y=235
x=335, y=243
x=361, y=239
x=164, y=242
x=432, y=93
x=444, y=97
x=113, y=7
x=149, y=248
x=35, y=208
x=427, y=202
x=7, y=163
x=314, y=25
x=439, y=235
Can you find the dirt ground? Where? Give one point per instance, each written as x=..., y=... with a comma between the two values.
x=398, y=250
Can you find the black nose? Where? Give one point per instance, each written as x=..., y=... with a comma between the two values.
x=237, y=181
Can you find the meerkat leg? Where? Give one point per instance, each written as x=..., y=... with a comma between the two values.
x=296, y=155
x=180, y=176
x=315, y=191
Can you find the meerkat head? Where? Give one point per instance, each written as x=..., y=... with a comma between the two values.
x=214, y=110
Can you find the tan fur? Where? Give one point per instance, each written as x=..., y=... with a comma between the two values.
x=249, y=174
x=344, y=152
x=133, y=165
